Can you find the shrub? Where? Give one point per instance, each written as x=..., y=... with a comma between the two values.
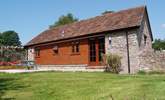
x=142, y=72
x=156, y=72
x=112, y=62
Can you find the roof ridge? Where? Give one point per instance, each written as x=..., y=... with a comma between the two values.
x=132, y=8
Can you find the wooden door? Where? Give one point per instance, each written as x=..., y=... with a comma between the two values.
x=96, y=48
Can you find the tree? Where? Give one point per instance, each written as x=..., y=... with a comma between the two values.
x=159, y=44
x=1, y=40
x=106, y=12
x=64, y=19
x=10, y=38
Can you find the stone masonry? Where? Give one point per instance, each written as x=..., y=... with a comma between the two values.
x=118, y=45
x=152, y=61
x=139, y=42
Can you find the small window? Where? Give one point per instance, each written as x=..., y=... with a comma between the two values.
x=55, y=49
x=37, y=52
x=92, y=46
x=145, y=39
x=75, y=47
x=101, y=48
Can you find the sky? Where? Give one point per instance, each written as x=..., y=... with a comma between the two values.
x=31, y=17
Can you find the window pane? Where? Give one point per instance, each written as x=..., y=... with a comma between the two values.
x=37, y=52
x=92, y=50
x=101, y=48
x=72, y=48
x=77, y=47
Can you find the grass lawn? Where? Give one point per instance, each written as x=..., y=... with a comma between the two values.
x=81, y=86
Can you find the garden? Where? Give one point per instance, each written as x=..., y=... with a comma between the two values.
x=81, y=86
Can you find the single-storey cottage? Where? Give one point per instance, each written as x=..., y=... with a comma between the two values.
x=80, y=44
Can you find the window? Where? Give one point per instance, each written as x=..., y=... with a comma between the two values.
x=37, y=52
x=145, y=39
x=55, y=49
x=75, y=47
x=101, y=48
x=92, y=47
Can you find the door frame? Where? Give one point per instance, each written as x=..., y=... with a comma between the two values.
x=96, y=39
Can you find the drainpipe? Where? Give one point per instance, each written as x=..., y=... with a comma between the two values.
x=128, y=52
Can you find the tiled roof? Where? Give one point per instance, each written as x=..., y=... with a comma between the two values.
x=106, y=22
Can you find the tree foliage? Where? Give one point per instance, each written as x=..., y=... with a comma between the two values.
x=107, y=11
x=159, y=44
x=1, y=40
x=64, y=19
x=10, y=38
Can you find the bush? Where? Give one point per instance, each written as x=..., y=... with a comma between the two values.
x=156, y=72
x=142, y=72
x=112, y=62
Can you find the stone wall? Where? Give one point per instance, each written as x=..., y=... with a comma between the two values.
x=148, y=59
x=141, y=54
x=133, y=51
x=152, y=61
x=118, y=45
x=144, y=31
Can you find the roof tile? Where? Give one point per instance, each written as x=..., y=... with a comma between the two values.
x=106, y=22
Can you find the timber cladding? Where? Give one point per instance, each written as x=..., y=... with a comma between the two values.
x=64, y=55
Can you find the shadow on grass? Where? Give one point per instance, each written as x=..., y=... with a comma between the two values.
x=7, y=84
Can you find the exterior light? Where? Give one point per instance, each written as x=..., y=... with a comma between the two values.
x=110, y=40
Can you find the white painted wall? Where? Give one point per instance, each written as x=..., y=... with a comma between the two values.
x=31, y=54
